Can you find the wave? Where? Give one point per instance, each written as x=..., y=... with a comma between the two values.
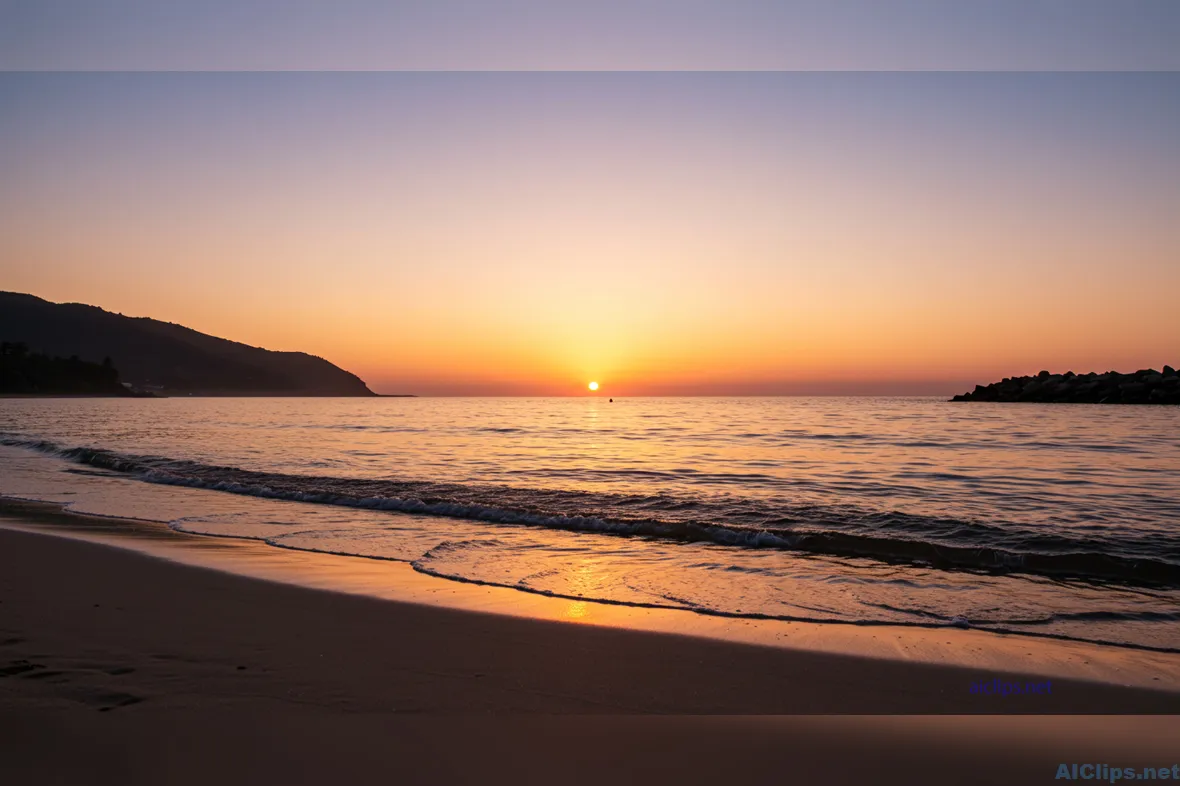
x=1016, y=627
x=843, y=531
x=1034, y=626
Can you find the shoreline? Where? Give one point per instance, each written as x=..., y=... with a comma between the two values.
x=766, y=666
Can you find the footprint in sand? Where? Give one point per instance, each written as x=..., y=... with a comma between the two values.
x=102, y=700
x=18, y=667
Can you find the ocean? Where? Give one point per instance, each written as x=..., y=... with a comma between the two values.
x=1058, y=521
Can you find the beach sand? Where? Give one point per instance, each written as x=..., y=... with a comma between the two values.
x=122, y=667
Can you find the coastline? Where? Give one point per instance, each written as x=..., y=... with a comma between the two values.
x=534, y=653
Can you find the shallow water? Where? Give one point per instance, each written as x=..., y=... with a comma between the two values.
x=1057, y=520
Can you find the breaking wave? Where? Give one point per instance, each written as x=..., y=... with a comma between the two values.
x=947, y=543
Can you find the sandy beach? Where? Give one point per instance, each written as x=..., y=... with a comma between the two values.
x=128, y=661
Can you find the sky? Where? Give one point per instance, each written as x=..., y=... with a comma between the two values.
x=590, y=34
x=664, y=232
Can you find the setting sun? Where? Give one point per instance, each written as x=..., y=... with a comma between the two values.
x=593, y=386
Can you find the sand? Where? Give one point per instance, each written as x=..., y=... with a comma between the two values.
x=116, y=666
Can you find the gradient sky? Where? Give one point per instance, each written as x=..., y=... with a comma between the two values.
x=523, y=233
x=590, y=34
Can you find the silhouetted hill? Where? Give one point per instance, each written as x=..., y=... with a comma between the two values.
x=174, y=359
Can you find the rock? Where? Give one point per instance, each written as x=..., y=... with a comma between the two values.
x=1145, y=386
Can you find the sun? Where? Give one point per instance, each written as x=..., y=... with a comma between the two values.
x=593, y=386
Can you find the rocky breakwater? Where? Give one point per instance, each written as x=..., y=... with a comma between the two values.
x=1147, y=386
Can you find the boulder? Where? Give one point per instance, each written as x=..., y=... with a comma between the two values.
x=1145, y=386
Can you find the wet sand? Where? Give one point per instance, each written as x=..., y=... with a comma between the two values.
x=117, y=666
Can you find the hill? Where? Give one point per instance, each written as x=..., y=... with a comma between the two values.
x=165, y=357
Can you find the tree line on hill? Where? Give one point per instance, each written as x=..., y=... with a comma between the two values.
x=32, y=373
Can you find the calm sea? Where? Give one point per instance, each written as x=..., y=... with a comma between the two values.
x=1045, y=520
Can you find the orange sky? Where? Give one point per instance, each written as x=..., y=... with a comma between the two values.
x=660, y=233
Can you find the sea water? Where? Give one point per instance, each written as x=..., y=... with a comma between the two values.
x=1034, y=519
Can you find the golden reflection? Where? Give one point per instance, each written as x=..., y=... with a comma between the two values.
x=585, y=581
